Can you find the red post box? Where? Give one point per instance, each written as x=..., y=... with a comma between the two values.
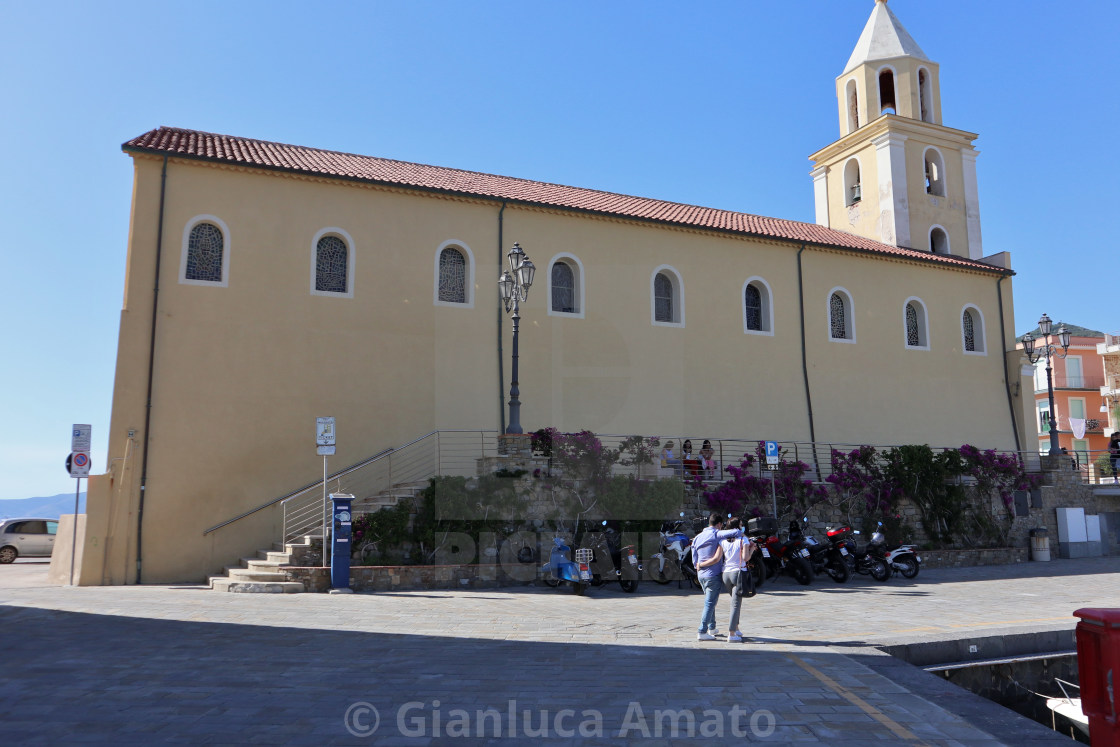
x=1098, y=664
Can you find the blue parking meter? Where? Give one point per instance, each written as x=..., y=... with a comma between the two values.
x=341, y=545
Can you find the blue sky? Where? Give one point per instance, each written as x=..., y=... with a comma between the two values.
x=714, y=103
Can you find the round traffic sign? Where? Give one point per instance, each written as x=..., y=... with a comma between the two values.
x=81, y=460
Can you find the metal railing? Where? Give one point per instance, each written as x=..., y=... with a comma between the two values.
x=405, y=468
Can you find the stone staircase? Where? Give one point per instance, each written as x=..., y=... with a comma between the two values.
x=262, y=575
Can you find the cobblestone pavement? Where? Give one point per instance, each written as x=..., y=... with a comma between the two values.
x=184, y=664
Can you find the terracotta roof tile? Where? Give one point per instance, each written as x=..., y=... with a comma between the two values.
x=262, y=154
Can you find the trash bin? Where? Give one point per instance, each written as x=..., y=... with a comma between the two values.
x=1040, y=544
x=1098, y=664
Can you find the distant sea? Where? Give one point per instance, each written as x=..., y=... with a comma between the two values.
x=49, y=507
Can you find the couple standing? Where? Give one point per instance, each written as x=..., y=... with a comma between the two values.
x=721, y=557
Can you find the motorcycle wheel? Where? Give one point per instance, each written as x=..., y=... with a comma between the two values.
x=838, y=571
x=758, y=570
x=801, y=571
x=908, y=567
x=596, y=580
x=578, y=589
x=552, y=581
x=880, y=571
x=629, y=585
x=658, y=574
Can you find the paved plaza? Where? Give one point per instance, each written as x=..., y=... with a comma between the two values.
x=152, y=664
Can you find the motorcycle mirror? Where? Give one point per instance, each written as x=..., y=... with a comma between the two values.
x=805, y=519
x=880, y=523
x=682, y=514
x=604, y=522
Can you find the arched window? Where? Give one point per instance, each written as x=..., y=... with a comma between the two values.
x=452, y=276
x=667, y=297
x=925, y=95
x=887, y=103
x=853, y=106
x=332, y=263
x=205, y=253
x=972, y=330
x=917, y=331
x=758, y=307
x=935, y=172
x=938, y=240
x=841, y=320
x=853, y=192
x=563, y=288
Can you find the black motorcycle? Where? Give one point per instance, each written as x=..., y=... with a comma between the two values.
x=612, y=561
x=823, y=557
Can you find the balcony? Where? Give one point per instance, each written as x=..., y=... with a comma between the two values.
x=1092, y=381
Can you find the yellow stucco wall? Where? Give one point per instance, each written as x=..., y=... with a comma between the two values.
x=242, y=371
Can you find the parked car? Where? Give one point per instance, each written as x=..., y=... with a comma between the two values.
x=30, y=538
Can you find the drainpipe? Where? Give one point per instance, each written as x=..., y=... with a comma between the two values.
x=804, y=360
x=501, y=368
x=151, y=369
x=1006, y=378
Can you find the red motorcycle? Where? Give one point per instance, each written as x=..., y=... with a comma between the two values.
x=790, y=557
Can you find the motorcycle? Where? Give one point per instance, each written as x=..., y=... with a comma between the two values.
x=823, y=558
x=789, y=557
x=674, y=556
x=866, y=562
x=902, y=559
x=611, y=561
x=560, y=567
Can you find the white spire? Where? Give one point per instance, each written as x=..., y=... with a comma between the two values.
x=883, y=37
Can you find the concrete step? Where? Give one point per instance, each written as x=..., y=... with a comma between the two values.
x=218, y=583
x=248, y=574
x=263, y=566
x=284, y=558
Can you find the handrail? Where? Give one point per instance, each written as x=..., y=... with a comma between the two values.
x=304, y=489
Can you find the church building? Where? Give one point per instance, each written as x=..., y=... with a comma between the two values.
x=270, y=284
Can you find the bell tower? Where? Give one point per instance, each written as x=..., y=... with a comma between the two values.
x=897, y=174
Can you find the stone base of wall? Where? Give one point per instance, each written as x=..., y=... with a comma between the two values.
x=965, y=558
x=408, y=577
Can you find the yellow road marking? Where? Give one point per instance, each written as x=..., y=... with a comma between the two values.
x=896, y=728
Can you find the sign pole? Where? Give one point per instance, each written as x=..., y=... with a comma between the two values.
x=324, y=445
x=74, y=537
x=774, y=492
x=326, y=511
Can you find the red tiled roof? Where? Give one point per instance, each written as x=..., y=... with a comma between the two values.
x=298, y=159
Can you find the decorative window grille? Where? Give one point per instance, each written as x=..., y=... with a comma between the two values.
x=204, y=253
x=912, y=337
x=969, y=332
x=563, y=288
x=332, y=259
x=663, y=298
x=452, y=276
x=837, y=317
x=752, y=301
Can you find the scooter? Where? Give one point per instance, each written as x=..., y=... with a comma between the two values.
x=612, y=562
x=902, y=559
x=561, y=569
x=823, y=558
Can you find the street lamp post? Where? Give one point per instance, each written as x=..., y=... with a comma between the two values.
x=1049, y=350
x=514, y=288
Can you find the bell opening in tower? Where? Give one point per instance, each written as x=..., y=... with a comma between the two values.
x=886, y=92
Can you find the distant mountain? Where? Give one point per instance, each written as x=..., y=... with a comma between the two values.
x=41, y=508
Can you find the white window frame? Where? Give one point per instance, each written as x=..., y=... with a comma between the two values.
x=1043, y=407
x=226, y=244
x=468, y=275
x=350, y=256
x=1080, y=367
x=767, y=307
x=678, y=296
x=1084, y=408
x=923, y=324
x=577, y=282
x=981, y=338
x=849, y=314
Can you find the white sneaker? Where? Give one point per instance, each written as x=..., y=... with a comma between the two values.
x=705, y=637
x=734, y=638
x=713, y=631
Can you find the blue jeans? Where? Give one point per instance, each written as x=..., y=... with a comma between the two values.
x=712, y=586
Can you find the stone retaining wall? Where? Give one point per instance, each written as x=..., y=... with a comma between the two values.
x=405, y=577
x=964, y=558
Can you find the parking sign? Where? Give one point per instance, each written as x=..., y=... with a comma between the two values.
x=773, y=455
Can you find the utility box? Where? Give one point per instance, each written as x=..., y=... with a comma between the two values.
x=1073, y=538
x=1098, y=664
